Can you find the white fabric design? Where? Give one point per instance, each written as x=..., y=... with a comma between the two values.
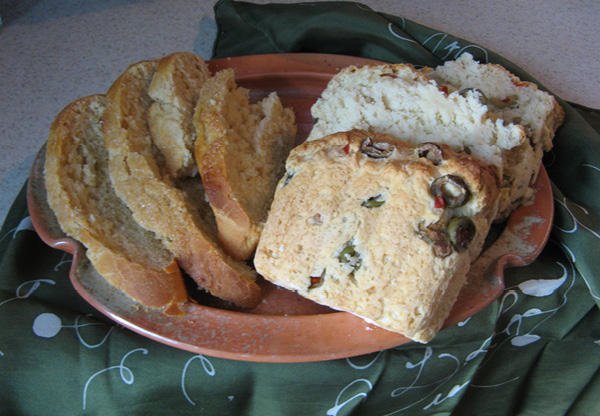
x=208, y=368
x=125, y=373
x=25, y=224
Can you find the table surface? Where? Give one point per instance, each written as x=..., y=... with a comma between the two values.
x=52, y=53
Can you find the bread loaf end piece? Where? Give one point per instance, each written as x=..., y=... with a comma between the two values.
x=81, y=195
x=241, y=150
x=356, y=225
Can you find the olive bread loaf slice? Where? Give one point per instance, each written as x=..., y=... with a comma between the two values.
x=81, y=195
x=142, y=180
x=514, y=101
x=368, y=224
x=241, y=149
x=448, y=106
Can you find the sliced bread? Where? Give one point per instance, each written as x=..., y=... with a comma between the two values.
x=515, y=102
x=141, y=178
x=81, y=195
x=365, y=223
x=240, y=150
x=446, y=106
x=174, y=89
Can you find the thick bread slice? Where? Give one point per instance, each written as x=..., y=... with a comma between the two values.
x=409, y=104
x=241, y=150
x=514, y=101
x=354, y=225
x=140, y=177
x=81, y=195
x=174, y=89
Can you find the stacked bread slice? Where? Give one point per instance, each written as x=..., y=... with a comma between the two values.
x=158, y=204
x=479, y=108
x=385, y=207
x=147, y=134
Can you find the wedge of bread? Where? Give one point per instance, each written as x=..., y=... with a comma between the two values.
x=142, y=179
x=240, y=150
x=451, y=105
x=81, y=195
x=365, y=223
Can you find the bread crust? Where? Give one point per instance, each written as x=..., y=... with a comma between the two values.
x=325, y=238
x=141, y=180
x=240, y=151
x=483, y=109
x=86, y=207
x=174, y=88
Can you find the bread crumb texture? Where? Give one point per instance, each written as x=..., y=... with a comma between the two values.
x=81, y=195
x=241, y=151
x=478, y=108
x=358, y=228
x=174, y=88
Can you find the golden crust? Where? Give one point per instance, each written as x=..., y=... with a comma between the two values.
x=152, y=288
x=238, y=233
x=80, y=194
x=240, y=151
x=158, y=205
x=391, y=274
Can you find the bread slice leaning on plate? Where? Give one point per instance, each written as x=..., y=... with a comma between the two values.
x=81, y=195
x=241, y=149
x=171, y=208
x=367, y=224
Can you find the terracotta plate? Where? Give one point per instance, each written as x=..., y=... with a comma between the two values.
x=286, y=327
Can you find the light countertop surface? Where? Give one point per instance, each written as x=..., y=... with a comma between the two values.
x=52, y=53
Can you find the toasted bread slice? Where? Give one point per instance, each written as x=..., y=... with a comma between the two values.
x=357, y=224
x=81, y=195
x=240, y=150
x=141, y=178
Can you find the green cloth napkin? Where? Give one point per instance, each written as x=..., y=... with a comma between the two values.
x=535, y=351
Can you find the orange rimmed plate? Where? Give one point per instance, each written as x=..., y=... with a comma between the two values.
x=286, y=327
